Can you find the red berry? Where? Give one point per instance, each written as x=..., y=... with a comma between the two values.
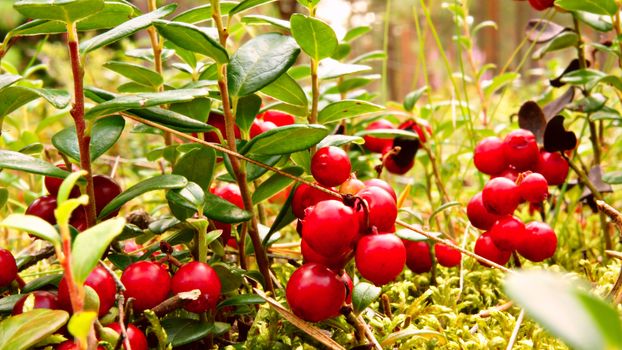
x=553, y=167
x=351, y=186
x=382, y=208
x=147, y=282
x=43, y=207
x=541, y=5
x=201, y=276
x=333, y=262
x=507, y=232
x=78, y=219
x=70, y=345
x=315, y=293
x=137, y=338
x=509, y=173
x=501, y=196
x=259, y=127
x=486, y=248
x=278, y=118
x=382, y=184
x=521, y=149
x=376, y=144
x=380, y=258
x=446, y=255
x=418, y=257
x=489, y=156
x=534, y=188
x=230, y=193
x=347, y=281
x=100, y=280
x=218, y=121
x=52, y=184
x=330, y=228
x=539, y=242
x=8, y=268
x=478, y=215
x=42, y=300
x=306, y=196
x=106, y=189
x=393, y=167
x=330, y=166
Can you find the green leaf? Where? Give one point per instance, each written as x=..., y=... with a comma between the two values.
x=68, y=185
x=184, y=203
x=499, y=82
x=340, y=140
x=136, y=73
x=412, y=97
x=283, y=218
x=182, y=331
x=600, y=23
x=563, y=40
x=33, y=225
x=23, y=331
x=259, y=62
x=13, y=97
x=19, y=161
x=90, y=245
x=330, y=69
x=247, y=109
x=613, y=178
x=160, y=182
x=126, y=29
x=60, y=10
x=220, y=209
x=197, y=109
x=346, y=109
x=410, y=235
x=42, y=283
x=8, y=302
x=388, y=133
x=80, y=324
x=104, y=135
x=363, y=295
x=192, y=38
x=230, y=278
x=286, y=89
x=197, y=166
x=8, y=79
x=599, y=7
x=261, y=19
x=356, y=32
x=285, y=140
x=242, y=299
x=275, y=183
x=316, y=38
x=4, y=197
x=247, y=5
x=203, y=13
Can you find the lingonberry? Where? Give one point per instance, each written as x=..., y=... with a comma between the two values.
x=330, y=166
x=70, y=345
x=489, y=156
x=382, y=184
x=446, y=255
x=501, y=196
x=278, y=118
x=100, y=280
x=539, y=242
x=541, y=5
x=260, y=126
x=105, y=191
x=382, y=208
x=485, y=247
x=306, y=196
x=389, y=163
x=553, y=167
x=521, y=149
x=43, y=207
x=230, y=193
x=52, y=184
x=380, y=258
x=507, y=232
x=509, y=173
x=147, y=282
x=136, y=337
x=376, y=144
x=351, y=186
x=315, y=293
x=201, y=276
x=478, y=215
x=218, y=121
x=333, y=262
x=38, y=300
x=78, y=219
x=8, y=268
x=330, y=228
x=418, y=257
x=534, y=188
x=347, y=281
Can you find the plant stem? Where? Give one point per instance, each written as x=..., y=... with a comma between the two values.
x=315, y=91
x=77, y=112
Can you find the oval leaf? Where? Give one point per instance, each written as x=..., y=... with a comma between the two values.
x=363, y=295
x=59, y=10
x=286, y=89
x=222, y=210
x=274, y=184
x=197, y=166
x=286, y=139
x=136, y=73
x=316, y=38
x=13, y=97
x=345, y=109
x=193, y=38
x=19, y=161
x=23, y=331
x=33, y=225
x=104, y=135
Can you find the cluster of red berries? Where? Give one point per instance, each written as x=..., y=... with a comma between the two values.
x=519, y=172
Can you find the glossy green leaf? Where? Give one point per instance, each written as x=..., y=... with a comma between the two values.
x=388, y=133
x=315, y=37
x=185, y=202
x=104, y=135
x=22, y=162
x=80, y=324
x=8, y=302
x=135, y=72
x=377, y=55
x=13, y=97
x=363, y=295
x=160, y=182
x=346, y=109
x=246, y=111
x=42, y=283
x=60, y=10
x=330, y=69
x=219, y=209
x=348, y=84
x=356, y=32
x=23, y=331
x=126, y=29
x=259, y=62
x=8, y=79
x=68, y=184
x=340, y=140
x=563, y=40
x=285, y=140
x=274, y=184
x=412, y=97
x=33, y=225
x=203, y=13
x=499, y=82
x=266, y=20
x=283, y=218
x=286, y=89
x=197, y=109
x=242, y=299
x=192, y=38
x=197, y=166
x=247, y=5
x=600, y=23
x=599, y=7
x=182, y=331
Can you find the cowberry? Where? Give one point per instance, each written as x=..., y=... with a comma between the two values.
x=478, y=215
x=330, y=228
x=446, y=255
x=351, y=186
x=539, y=242
x=230, y=193
x=8, y=268
x=315, y=293
x=486, y=248
x=509, y=173
x=330, y=166
x=501, y=196
x=201, y=276
x=306, y=196
x=260, y=126
x=70, y=345
x=52, y=184
x=380, y=258
x=553, y=167
x=382, y=208
x=105, y=191
x=507, y=232
x=534, y=188
x=147, y=282
x=541, y=5
x=521, y=149
x=100, y=280
x=376, y=144
x=389, y=162
x=43, y=207
x=278, y=118
x=382, y=184
x=489, y=156
x=218, y=121
x=136, y=337
x=418, y=257
x=39, y=300
x=333, y=262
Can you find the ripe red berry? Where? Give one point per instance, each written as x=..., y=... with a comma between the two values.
x=539, y=242
x=52, y=184
x=534, y=188
x=100, y=280
x=553, y=167
x=521, y=149
x=147, y=282
x=315, y=293
x=418, y=257
x=485, y=247
x=389, y=163
x=40, y=300
x=43, y=207
x=509, y=173
x=70, y=345
x=230, y=193
x=78, y=219
x=541, y=5
x=507, y=232
x=501, y=196
x=201, y=276
x=376, y=144
x=137, y=338
x=105, y=191
x=330, y=228
x=332, y=262
x=380, y=258
x=306, y=196
x=446, y=255
x=330, y=166
x=489, y=156
x=218, y=121
x=351, y=186
x=8, y=268
x=382, y=208
x=260, y=126
x=347, y=281
x=278, y=118
x=382, y=184
x=478, y=215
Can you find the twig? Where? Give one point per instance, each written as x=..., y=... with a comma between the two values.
x=502, y=307
x=514, y=336
x=611, y=212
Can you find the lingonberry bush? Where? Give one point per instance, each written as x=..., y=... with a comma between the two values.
x=224, y=179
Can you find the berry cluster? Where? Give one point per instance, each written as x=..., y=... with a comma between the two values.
x=263, y=122
x=520, y=172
